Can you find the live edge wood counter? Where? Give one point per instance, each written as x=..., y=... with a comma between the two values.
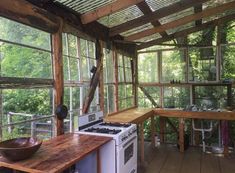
x=59, y=153
x=136, y=116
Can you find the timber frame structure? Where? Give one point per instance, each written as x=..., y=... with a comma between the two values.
x=57, y=17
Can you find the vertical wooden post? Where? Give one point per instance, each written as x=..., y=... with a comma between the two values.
x=101, y=80
x=58, y=76
x=115, y=60
x=181, y=134
x=135, y=78
x=9, y=121
x=153, y=131
x=162, y=128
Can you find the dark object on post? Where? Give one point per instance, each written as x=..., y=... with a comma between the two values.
x=19, y=148
x=93, y=69
x=186, y=142
x=61, y=112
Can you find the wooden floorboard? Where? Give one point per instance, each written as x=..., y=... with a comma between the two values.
x=168, y=159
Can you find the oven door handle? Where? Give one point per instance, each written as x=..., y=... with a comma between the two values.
x=128, y=142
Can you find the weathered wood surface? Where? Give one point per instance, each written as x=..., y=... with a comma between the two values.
x=58, y=154
x=224, y=115
x=135, y=115
x=23, y=11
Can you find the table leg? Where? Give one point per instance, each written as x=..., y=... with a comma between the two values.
x=153, y=131
x=141, y=132
x=98, y=161
x=162, y=129
x=181, y=134
x=225, y=136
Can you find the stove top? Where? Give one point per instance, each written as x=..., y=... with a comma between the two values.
x=103, y=130
x=115, y=124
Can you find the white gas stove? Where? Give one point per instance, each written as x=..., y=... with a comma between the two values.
x=120, y=155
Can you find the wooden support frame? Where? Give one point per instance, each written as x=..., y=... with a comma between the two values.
x=58, y=77
x=95, y=78
x=182, y=21
x=115, y=60
x=163, y=12
x=108, y=9
x=26, y=13
x=187, y=31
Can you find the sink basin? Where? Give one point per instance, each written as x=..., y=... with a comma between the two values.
x=19, y=148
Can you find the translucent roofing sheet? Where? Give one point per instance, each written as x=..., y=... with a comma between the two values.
x=137, y=29
x=177, y=16
x=180, y=28
x=157, y=4
x=207, y=19
x=121, y=16
x=149, y=38
x=214, y=3
x=84, y=6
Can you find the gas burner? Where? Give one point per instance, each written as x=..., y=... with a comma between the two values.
x=103, y=130
x=115, y=124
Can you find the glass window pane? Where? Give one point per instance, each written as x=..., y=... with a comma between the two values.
x=18, y=61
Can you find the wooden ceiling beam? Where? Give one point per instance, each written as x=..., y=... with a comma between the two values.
x=26, y=13
x=107, y=10
x=182, y=21
x=186, y=32
x=198, y=9
x=143, y=6
x=156, y=15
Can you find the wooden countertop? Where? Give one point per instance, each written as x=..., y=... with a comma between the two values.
x=135, y=115
x=58, y=154
x=224, y=115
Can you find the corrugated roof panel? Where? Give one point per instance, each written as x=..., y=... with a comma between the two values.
x=149, y=38
x=137, y=29
x=180, y=28
x=121, y=16
x=84, y=6
x=176, y=16
x=157, y=4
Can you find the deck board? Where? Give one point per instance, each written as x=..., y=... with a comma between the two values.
x=168, y=159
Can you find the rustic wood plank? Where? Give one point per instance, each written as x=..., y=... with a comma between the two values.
x=181, y=134
x=24, y=12
x=58, y=153
x=179, y=6
x=153, y=131
x=173, y=162
x=58, y=76
x=107, y=9
x=115, y=60
x=182, y=21
x=224, y=115
x=210, y=164
x=197, y=9
x=227, y=164
x=192, y=161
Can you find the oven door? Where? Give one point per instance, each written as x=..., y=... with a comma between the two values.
x=127, y=156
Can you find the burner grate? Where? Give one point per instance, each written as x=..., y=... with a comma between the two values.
x=103, y=130
x=115, y=124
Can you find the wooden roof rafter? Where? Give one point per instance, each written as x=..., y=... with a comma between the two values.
x=163, y=12
x=143, y=6
x=186, y=32
x=107, y=10
x=182, y=21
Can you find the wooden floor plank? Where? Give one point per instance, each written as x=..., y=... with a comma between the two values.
x=210, y=164
x=227, y=164
x=173, y=162
x=192, y=161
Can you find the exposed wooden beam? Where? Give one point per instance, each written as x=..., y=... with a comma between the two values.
x=143, y=6
x=95, y=78
x=179, y=6
x=198, y=9
x=26, y=13
x=108, y=9
x=182, y=21
x=187, y=31
x=58, y=77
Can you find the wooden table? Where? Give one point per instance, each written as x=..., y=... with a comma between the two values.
x=59, y=153
x=224, y=115
x=136, y=116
